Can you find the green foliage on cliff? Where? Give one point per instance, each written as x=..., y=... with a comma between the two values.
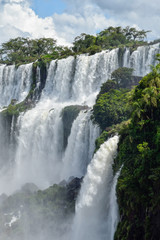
x=113, y=101
x=101, y=139
x=16, y=109
x=24, y=50
x=109, y=38
x=138, y=187
x=111, y=108
x=122, y=76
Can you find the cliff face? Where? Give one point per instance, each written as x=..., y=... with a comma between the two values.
x=138, y=187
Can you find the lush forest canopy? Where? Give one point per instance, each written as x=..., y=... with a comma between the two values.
x=24, y=50
x=139, y=151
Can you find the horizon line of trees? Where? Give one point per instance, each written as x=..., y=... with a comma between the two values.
x=24, y=50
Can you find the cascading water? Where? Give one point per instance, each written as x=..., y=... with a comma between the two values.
x=113, y=214
x=79, y=80
x=14, y=83
x=40, y=156
x=34, y=148
x=141, y=59
x=80, y=146
x=94, y=203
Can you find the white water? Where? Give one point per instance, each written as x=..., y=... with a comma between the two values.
x=39, y=156
x=14, y=83
x=113, y=213
x=97, y=199
x=141, y=59
x=80, y=146
x=79, y=80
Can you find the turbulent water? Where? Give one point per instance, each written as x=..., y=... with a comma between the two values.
x=34, y=148
x=96, y=203
x=79, y=79
x=39, y=155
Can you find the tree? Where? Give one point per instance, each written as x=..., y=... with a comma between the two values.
x=82, y=42
x=122, y=76
x=111, y=37
x=21, y=49
x=138, y=187
x=146, y=97
x=111, y=108
x=134, y=34
x=107, y=86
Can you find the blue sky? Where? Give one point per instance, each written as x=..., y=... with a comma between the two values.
x=45, y=8
x=66, y=19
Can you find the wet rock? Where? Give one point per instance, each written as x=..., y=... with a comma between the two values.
x=73, y=188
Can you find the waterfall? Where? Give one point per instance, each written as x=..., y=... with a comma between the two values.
x=42, y=147
x=14, y=83
x=38, y=154
x=113, y=217
x=97, y=195
x=141, y=59
x=79, y=79
x=80, y=146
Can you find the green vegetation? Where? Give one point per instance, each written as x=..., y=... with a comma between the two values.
x=42, y=213
x=112, y=104
x=16, y=109
x=139, y=151
x=109, y=38
x=24, y=50
x=101, y=139
x=122, y=76
x=138, y=188
x=111, y=108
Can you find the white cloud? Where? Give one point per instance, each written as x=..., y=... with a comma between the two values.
x=89, y=16
x=87, y=19
x=143, y=14
x=18, y=19
x=69, y=26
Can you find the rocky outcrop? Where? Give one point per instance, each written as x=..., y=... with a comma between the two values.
x=69, y=114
